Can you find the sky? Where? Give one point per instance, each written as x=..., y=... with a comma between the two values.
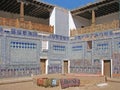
x=69, y=4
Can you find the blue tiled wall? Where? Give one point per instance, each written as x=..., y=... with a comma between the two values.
x=77, y=50
x=104, y=47
x=19, y=55
x=21, y=51
x=116, y=55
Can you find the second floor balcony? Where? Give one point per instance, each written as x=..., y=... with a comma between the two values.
x=96, y=28
x=25, y=25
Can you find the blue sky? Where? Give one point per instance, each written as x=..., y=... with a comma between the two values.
x=69, y=4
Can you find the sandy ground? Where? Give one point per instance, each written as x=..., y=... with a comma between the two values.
x=87, y=83
x=31, y=86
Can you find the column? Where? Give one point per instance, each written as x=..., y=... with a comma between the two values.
x=22, y=11
x=119, y=13
x=93, y=17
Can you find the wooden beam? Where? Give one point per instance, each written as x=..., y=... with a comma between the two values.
x=10, y=3
x=12, y=7
x=15, y=10
x=78, y=11
x=28, y=9
x=37, y=4
x=4, y=4
x=1, y=2
x=34, y=12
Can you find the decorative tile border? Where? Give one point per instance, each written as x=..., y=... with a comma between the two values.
x=18, y=70
x=54, y=69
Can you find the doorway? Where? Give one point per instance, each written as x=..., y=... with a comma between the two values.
x=65, y=67
x=43, y=66
x=107, y=68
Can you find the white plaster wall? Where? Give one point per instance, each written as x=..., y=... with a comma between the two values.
x=52, y=19
x=27, y=18
x=107, y=18
x=79, y=21
x=71, y=22
x=60, y=19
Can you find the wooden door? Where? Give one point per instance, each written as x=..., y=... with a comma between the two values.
x=65, y=67
x=43, y=65
x=107, y=68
